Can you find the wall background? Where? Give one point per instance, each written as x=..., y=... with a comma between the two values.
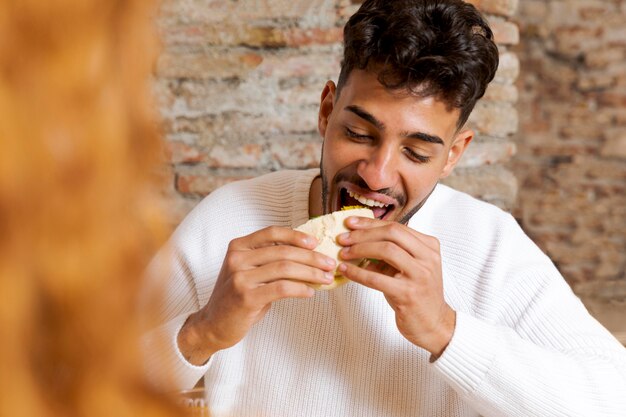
x=571, y=158
x=238, y=84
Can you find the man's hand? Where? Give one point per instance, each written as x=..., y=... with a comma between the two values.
x=409, y=275
x=258, y=269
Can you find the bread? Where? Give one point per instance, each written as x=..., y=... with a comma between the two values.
x=325, y=229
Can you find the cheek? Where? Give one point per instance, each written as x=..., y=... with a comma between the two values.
x=336, y=154
x=420, y=182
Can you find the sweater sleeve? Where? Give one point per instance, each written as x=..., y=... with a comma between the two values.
x=165, y=365
x=540, y=354
x=178, y=283
x=171, y=299
x=182, y=276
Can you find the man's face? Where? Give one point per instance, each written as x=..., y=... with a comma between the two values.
x=384, y=149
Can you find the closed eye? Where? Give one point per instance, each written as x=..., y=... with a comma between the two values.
x=352, y=134
x=415, y=156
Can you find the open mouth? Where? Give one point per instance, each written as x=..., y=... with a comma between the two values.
x=350, y=198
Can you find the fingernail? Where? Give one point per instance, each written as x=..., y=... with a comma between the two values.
x=342, y=267
x=344, y=237
x=353, y=220
x=329, y=277
x=310, y=241
x=330, y=262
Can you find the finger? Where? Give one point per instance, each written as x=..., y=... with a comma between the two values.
x=273, y=235
x=281, y=270
x=389, y=252
x=265, y=255
x=280, y=289
x=372, y=230
x=386, y=284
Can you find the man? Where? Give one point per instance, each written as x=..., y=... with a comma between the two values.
x=461, y=316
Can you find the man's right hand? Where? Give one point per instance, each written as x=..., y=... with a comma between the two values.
x=265, y=266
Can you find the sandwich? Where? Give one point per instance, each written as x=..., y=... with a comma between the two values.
x=325, y=229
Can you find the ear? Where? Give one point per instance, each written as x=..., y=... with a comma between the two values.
x=327, y=103
x=459, y=144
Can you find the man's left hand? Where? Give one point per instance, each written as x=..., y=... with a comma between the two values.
x=408, y=273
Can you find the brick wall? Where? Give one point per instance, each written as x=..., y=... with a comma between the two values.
x=571, y=161
x=239, y=85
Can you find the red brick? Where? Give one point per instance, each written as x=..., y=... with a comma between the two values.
x=615, y=144
x=508, y=69
x=612, y=98
x=532, y=10
x=197, y=184
x=501, y=92
x=177, y=10
x=498, y=7
x=244, y=156
x=347, y=10
x=591, y=81
x=616, y=35
x=180, y=152
x=494, y=119
x=595, y=11
x=209, y=64
x=307, y=64
x=604, y=57
x=294, y=153
x=504, y=32
x=487, y=152
x=575, y=39
x=313, y=36
x=230, y=34
x=217, y=11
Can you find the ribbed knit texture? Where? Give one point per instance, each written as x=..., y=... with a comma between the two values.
x=524, y=345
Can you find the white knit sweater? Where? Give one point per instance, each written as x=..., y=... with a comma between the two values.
x=523, y=346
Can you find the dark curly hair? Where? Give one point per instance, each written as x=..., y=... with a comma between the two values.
x=431, y=48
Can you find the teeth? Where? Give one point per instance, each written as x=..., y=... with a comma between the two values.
x=366, y=201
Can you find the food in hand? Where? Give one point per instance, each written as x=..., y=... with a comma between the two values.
x=325, y=229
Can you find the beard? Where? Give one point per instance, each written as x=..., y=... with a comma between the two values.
x=357, y=180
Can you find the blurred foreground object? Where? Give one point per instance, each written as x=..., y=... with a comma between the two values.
x=194, y=402
x=78, y=218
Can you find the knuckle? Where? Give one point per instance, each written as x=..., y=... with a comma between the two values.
x=232, y=260
x=395, y=229
x=238, y=282
x=283, y=288
x=283, y=268
x=233, y=244
x=388, y=246
x=273, y=232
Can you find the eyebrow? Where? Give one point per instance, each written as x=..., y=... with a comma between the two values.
x=425, y=137
x=381, y=126
x=366, y=116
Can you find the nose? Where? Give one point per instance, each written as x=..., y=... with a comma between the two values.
x=379, y=168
